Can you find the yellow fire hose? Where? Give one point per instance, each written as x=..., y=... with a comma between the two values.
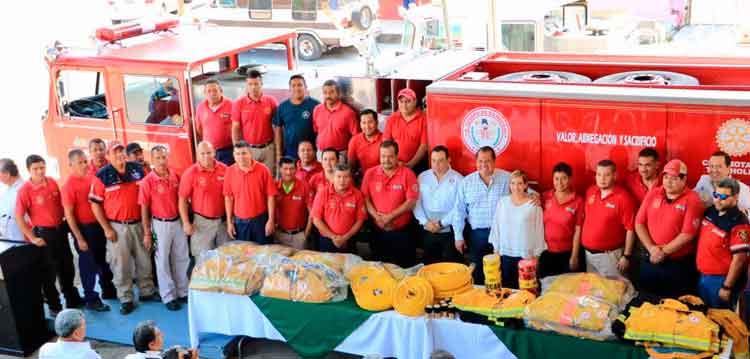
x=412, y=295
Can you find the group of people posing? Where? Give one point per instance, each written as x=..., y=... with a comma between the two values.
x=303, y=174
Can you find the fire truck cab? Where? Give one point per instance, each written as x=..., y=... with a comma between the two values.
x=143, y=82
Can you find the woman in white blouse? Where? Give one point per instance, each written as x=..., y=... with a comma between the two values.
x=518, y=229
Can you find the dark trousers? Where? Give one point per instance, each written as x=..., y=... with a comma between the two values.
x=57, y=262
x=669, y=279
x=325, y=244
x=252, y=229
x=93, y=263
x=440, y=247
x=225, y=155
x=395, y=247
x=479, y=246
x=551, y=263
x=509, y=267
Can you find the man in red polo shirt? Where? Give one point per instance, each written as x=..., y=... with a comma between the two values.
x=667, y=224
x=114, y=200
x=307, y=165
x=293, y=201
x=252, y=115
x=646, y=178
x=158, y=200
x=364, y=148
x=334, y=122
x=339, y=212
x=39, y=199
x=324, y=179
x=607, y=232
x=214, y=121
x=98, y=153
x=88, y=234
x=408, y=127
x=201, y=187
x=249, y=201
x=723, y=246
x=391, y=192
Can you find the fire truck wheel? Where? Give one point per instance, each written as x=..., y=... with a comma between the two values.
x=362, y=19
x=308, y=47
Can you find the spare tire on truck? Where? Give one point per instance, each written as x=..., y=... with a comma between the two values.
x=647, y=77
x=543, y=77
x=363, y=18
x=308, y=47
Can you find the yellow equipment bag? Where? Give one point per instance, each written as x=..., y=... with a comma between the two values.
x=304, y=282
x=590, y=284
x=672, y=323
x=504, y=303
x=339, y=262
x=245, y=250
x=220, y=273
x=735, y=329
x=412, y=295
x=447, y=279
x=373, y=287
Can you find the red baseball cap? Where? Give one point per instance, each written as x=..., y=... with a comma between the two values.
x=675, y=168
x=407, y=92
x=115, y=145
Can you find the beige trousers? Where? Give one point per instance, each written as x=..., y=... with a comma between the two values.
x=296, y=240
x=126, y=256
x=267, y=156
x=207, y=234
x=604, y=263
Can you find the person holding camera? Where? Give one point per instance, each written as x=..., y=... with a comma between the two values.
x=148, y=341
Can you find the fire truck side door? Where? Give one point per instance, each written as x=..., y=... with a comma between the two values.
x=155, y=112
x=80, y=109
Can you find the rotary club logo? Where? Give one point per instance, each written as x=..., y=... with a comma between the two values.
x=485, y=126
x=733, y=137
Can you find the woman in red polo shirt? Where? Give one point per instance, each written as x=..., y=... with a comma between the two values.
x=563, y=217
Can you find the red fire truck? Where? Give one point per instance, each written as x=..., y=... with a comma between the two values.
x=108, y=91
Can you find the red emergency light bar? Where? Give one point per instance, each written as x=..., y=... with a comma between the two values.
x=126, y=31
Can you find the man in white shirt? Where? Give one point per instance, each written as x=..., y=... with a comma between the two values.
x=70, y=326
x=9, y=177
x=434, y=207
x=719, y=168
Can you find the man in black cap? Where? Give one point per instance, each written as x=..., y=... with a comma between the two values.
x=135, y=154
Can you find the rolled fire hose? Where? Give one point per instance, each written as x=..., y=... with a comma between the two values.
x=447, y=279
x=553, y=77
x=373, y=288
x=658, y=78
x=412, y=295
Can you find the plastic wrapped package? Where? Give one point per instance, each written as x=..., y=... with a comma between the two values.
x=580, y=316
x=447, y=279
x=503, y=303
x=373, y=286
x=217, y=272
x=241, y=250
x=340, y=262
x=304, y=282
x=616, y=292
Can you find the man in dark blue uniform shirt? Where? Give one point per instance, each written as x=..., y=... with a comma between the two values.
x=292, y=122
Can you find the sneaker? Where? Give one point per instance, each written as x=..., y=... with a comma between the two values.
x=174, y=305
x=150, y=298
x=97, y=306
x=127, y=308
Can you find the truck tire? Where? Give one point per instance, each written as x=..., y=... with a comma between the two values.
x=308, y=47
x=363, y=18
x=646, y=77
x=543, y=77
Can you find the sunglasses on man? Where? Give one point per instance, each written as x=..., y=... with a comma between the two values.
x=721, y=196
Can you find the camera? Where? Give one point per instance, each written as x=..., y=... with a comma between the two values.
x=177, y=352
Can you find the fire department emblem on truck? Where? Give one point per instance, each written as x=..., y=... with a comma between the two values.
x=733, y=137
x=485, y=126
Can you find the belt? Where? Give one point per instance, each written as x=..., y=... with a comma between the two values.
x=248, y=220
x=126, y=222
x=47, y=229
x=264, y=145
x=592, y=251
x=293, y=231
x=209, y=217
x=167, y=219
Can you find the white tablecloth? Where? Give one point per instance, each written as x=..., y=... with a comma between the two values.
x=387, y=333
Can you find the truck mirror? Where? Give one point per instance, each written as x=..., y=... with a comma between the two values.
x=60, y=89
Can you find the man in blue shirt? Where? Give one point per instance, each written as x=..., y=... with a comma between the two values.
x=292, y=122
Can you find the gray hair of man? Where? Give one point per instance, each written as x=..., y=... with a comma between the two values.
x=441, y=354
x=67, y=322
x=731, y=184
